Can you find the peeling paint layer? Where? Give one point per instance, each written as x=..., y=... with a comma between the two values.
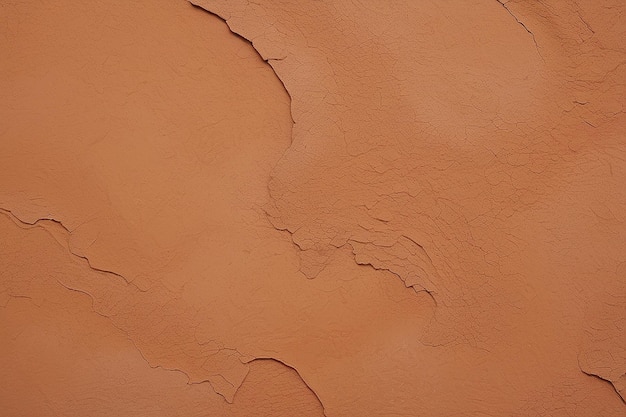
x=431, y=149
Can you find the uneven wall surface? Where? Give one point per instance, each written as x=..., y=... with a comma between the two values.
x=307, y=208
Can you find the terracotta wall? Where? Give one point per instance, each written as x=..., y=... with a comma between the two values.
x=306, y=208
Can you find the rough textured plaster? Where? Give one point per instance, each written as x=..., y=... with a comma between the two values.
x=472, y=152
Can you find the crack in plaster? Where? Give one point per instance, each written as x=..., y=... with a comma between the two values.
x=604, y=379
x=522, y=24
x=40, y=224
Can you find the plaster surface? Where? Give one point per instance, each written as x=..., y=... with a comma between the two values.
x=313, y=208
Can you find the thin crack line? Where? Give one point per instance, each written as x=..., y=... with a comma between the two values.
x=503, y=3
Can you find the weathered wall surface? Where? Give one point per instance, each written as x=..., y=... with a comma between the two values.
x=306, y=208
